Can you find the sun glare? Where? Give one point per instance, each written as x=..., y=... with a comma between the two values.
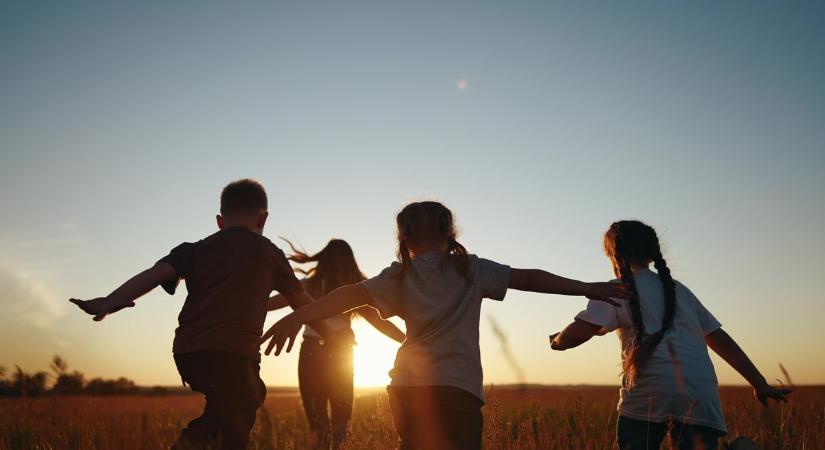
x=373, y=356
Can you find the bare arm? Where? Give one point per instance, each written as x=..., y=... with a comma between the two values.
x=128, y=292
x=276, y=302
x=336, y=302
x=536, y=280
x=724, y=346
x=301, y=300
x=384, y=326
x=574, y=335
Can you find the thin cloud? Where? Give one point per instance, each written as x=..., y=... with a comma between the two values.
x=23, y=298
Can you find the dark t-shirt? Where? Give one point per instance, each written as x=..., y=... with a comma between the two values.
x=229, y=276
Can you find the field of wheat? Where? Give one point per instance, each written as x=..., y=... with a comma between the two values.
x=535, y=418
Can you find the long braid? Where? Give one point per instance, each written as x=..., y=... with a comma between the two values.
x=629, y=364
x=670, y=290
x=631, y=243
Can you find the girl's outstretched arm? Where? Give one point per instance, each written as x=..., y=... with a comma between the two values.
x=384, y=326
x=336, y=302
x=574, y=335
x=276, y=302
x=724, y=345
x=536, y=280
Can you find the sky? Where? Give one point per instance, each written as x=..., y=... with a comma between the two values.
x=537, y=123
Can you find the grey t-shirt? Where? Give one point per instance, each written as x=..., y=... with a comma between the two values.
x=441, y=310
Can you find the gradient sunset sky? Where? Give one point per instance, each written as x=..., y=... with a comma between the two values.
x=538, y=124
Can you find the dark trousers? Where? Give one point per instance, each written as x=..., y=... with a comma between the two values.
x=635, y=434
x=436, y=417
x=234, y=391
x=325, y=378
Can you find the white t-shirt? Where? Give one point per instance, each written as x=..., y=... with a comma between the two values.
x=681, y=385
x=441, y=310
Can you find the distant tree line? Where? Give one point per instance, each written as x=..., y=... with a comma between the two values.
x=21, y=384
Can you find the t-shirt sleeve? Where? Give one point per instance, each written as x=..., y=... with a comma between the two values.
x=494, y=279
x=707, y=321
x=283, y=277
x=179, y=259
x=601, y=314
x=384, y=290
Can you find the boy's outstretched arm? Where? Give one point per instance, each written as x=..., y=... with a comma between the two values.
x=128, y=292
x=536, y=280
x=386, y=327
x=724, y=346
x=336, y=302
x=574, y=335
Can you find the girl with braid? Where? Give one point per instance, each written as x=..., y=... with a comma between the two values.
x=436, y=287
x=669, y=386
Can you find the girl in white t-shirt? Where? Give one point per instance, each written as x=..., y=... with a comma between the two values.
x=669, y=386
x=436, y=288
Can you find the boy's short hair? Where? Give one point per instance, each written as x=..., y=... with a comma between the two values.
x=243, y=196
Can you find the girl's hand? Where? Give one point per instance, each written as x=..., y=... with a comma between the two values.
x=286, y=328
x=606, y=292
x=100, y=307
x=763, y=393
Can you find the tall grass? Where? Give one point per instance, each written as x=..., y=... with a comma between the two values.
x=535, y=418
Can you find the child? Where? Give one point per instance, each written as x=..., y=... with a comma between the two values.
x=229, y=276
x=665, y=332
x=325, y=372
x=436, y=390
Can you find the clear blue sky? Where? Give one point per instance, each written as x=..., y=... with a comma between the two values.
x=119, y=125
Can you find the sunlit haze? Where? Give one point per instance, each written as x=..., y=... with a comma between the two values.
x=537, y=124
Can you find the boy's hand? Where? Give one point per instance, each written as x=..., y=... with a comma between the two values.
x=99, y=307
x=606, y=292
x=286, y=328
x=763, y=393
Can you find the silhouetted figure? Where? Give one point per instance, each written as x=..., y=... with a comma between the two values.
x=229, y=277
x=325, y=372
x=669, y=387
x=436, y=392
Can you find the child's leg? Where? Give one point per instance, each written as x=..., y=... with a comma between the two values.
x=340, y=393
x=460, y=416
x=312, y=374
x=635, y=434
x=693, y=437
x=235, y=397
x=196, y=371
x=406, y=413
x=436, y=418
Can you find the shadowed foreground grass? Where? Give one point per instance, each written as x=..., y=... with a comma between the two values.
x=535, y=418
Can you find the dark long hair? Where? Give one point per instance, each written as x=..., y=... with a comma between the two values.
x=429, y=222
x=629, y=243
x=335, y=266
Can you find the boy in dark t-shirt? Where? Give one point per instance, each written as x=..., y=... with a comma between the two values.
x=229, y=276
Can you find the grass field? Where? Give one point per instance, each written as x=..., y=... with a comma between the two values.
x=535, y=418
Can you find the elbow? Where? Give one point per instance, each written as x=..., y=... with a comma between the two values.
x=559, y=347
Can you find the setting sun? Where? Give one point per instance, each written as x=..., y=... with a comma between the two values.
x=373, y=355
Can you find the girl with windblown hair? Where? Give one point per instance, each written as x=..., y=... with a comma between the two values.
x=436, y=287
x=669, y=386
x=325, y=372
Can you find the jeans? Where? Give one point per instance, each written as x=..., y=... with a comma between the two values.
x=325, y=375
x=436, y=417
x=635, y=434
x=234, y=391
